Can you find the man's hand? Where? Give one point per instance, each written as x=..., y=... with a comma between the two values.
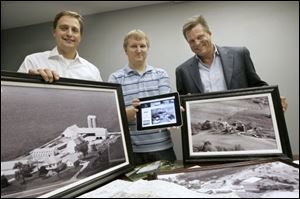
x=284, y=103
x=132, y=110
x=182, y=109
x=47, y=74
x=176, y=127
x=136, y=103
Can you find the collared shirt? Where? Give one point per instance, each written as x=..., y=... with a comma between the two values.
x=77, y=68
x=154, y=81
x=212, y=77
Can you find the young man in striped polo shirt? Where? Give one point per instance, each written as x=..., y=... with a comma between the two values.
x=138, y=79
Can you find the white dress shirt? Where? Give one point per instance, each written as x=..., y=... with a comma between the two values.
x=77, y=68
x=212, y=77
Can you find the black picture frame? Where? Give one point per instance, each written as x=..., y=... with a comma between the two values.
x=261, y=178
x=61, y=139
x=234, y=125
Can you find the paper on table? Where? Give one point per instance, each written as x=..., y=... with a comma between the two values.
x=144, y=189
x=149, y=168
x=157, y=189
x=107, y=191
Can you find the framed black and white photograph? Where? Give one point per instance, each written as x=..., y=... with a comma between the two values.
x=268, y=178
x=234, y=125
x=61, y=139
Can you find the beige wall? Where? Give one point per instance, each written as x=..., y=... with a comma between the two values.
x=270, y=30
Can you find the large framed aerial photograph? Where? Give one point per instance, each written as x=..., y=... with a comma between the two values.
x=268, y=178
x=61, y=139
x=234, y=125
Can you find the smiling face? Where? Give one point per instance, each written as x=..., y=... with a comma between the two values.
x=67, y=34
x=200, y=41
x=136, y=50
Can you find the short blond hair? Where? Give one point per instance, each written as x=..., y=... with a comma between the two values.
x=194, y=21
x=135, y=34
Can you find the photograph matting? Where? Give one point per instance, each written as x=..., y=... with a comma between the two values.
x=66, y=144
x=234, y=125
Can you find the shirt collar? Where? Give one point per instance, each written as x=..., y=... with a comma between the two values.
x=54, y=54
x=215, y=53
x=129, y=70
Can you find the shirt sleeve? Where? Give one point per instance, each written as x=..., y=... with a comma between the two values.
x=164, y=82
x=99, y=76
x=25, y=66
x=112, y=79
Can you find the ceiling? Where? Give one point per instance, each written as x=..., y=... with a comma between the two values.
x=23, y=13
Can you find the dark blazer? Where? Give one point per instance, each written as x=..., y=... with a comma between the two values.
x=238, y=70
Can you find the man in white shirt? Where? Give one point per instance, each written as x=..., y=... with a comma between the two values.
x=63, y=60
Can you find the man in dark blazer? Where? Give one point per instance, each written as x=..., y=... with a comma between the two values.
x=238, y=71
x=214, y=68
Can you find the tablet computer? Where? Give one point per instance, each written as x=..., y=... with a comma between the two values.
x=159, y=111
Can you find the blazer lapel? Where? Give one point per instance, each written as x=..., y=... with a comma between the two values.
x=194, y=71
x=227, y=63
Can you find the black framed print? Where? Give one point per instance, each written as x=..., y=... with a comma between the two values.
x=160, y=111
x=267, y=178
x=61, y=139
x=241, y=124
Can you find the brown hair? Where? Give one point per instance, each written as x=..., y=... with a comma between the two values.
x=194, y=21
x=71, y=14
x=136, y=34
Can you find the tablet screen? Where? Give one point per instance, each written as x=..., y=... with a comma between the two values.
x=159, y=112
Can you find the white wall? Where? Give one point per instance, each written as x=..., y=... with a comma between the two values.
x=270, y=30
